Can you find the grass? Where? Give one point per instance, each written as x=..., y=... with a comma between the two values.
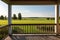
x=39, y=21
x=31, y=21
x=5, y=22
x=32, y=29
x=24, y=29
x=28, y=29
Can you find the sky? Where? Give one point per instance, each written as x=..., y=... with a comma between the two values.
x=28, y=10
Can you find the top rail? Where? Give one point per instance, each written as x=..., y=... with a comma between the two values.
x=24, y=24
x=34, y=24
x=3, y=32
x=3, y=26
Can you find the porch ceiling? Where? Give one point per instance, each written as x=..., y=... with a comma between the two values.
x=31, y=2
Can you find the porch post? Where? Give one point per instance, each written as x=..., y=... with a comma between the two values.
x=9, y=19
x=57, y=18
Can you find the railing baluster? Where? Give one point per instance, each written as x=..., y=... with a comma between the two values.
x=31, y=28
x=25, y=28
x=50, y=28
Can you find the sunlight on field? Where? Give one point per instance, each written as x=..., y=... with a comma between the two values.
x=5, y=22
x=31, y=21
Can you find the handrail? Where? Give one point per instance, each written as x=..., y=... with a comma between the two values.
x=25, y=24
x=6, y=26
x=3, y=31
x=39, y=28
x=3, y=26
x=34, y=24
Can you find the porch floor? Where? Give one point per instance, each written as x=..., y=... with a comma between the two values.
x=35, y=37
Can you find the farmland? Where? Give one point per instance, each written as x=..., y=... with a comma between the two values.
x=27, y=21
x=5, y=22
x=25, y=28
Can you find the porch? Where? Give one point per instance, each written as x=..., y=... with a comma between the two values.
x=33, y=37
x=35, y=31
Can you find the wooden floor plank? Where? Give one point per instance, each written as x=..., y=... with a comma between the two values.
x=8, y=38
x=46, y=38
x=53, y=37
x=33, y=37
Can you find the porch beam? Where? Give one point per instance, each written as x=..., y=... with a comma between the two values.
x=9, y=19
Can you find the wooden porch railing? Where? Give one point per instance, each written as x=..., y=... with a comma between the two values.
x=33, y=28
x=3, y=31
x=28, y=29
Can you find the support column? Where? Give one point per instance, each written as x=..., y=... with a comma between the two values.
x=9, y=19
x=57, y=19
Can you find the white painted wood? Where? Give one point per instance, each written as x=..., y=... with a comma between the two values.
x=57, y=17
x=9, y=19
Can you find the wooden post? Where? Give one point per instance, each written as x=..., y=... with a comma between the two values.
x=57, y=19
x=9, y=19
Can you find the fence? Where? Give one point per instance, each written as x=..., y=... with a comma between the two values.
x=3, y=31
x=28, y=29
x=33, y=28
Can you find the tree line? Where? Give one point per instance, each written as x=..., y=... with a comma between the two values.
x=14, y=17
x=50, y=18
x=3, y=17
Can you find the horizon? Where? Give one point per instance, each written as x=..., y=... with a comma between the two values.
x=29, y=17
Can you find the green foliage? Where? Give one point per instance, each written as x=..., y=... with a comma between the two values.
x=2, y=17
x=46, y=28
x=17, y=30
x=21, y=29
x=14, y=16
x=19, y=16
x=5, y=18
x=3, y=32
x=47, y=18
x=50, y=18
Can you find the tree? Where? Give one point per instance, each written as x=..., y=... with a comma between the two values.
x=47, y=18
x=5, y=17
x=19, y=16
x=53, y=18
x=2, y=17
x=14, y=16
x=59, y=17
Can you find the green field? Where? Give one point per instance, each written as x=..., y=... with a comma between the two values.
x=30, y=21
x=5, y=22
x=25, y=29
